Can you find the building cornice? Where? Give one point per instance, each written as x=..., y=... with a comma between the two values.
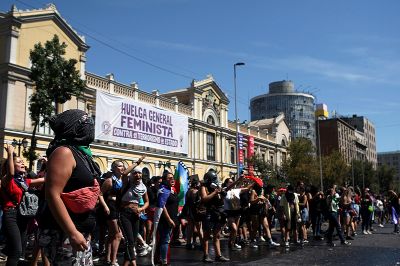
x=49, y=13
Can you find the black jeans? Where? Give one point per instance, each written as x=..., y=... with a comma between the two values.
x=130, y=228
x=14, y=227
x=333, y=223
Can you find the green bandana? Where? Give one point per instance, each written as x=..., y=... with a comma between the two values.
x=86, y=150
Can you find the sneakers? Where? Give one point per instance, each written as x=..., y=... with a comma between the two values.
x=235, y=247
x=369, y=232
x=346, y=243
x=273, y=244
x=365, y=232
x=221, y=259
x=253, y=244
x=381, y=225
x=262, y=239
x=305, y=241
x=144, y=250
x=287, y=244
x=207, y=259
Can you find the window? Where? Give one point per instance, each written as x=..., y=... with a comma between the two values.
x=145, y=175
x=233, y=155
x=210, y=120
x=210, y=146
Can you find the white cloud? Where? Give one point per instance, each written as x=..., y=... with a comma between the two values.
x=370, y=68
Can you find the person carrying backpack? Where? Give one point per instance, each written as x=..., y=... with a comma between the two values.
x=14, y=184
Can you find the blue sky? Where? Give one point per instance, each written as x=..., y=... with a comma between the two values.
x=347, y=53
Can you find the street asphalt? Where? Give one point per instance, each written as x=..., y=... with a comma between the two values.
x=380, y=248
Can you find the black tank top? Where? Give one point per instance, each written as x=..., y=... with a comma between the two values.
x=82, y=176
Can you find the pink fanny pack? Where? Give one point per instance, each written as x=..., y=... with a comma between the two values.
x=82, y=200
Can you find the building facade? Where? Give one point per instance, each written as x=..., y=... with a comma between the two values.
x=297, y=107
x=337, y=135
x=212, y=138
x=365, y=126
x=391, y=159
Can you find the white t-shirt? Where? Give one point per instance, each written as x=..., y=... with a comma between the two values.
x=379, y=205
x=232, y=200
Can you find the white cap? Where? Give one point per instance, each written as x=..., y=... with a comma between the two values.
x=137, y=169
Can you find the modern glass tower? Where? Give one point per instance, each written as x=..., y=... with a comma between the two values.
x=298, y=108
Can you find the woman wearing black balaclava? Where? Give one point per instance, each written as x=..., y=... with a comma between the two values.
x=71, y=191
x=210, y=194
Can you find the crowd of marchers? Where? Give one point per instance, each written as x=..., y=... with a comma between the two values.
x=81, y=216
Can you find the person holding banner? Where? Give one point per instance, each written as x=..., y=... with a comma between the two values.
x=210, y=193
x=133, y=189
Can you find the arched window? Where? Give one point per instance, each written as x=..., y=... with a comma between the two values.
x=145, y=175
x=210, y=120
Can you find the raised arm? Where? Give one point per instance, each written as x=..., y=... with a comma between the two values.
x=10, y=164
x=130, y=167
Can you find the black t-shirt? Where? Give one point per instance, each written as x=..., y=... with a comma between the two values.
x=152, y=194
x=172, y=208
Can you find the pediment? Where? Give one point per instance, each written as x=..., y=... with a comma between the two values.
x=50, y=13
x=210, y=90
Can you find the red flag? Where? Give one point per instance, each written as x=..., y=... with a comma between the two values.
x=257, y=180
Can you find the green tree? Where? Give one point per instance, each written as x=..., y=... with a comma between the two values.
x=386, y=177
x=365, y=175
x=335, y=170
x=56, y=81
x=270, y=173
x=301, y=164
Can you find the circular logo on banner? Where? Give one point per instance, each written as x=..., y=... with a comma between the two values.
x=106, y=127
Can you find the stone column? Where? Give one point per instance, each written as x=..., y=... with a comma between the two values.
x=204, y=145
x=12, y=46
x=218, y=145
x=110, y=78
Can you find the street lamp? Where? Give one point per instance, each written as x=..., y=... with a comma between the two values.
x=19, y=143
x=236, y=118
x=319, y=155
x=165, y=164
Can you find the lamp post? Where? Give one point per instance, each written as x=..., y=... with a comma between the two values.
x=19, y=143
x=166, y=164
x=236, y=119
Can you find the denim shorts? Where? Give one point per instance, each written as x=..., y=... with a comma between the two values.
x=304, y=215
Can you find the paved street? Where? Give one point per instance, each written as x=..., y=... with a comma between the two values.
x=380, y=248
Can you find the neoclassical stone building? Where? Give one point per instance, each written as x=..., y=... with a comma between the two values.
x=211, y=135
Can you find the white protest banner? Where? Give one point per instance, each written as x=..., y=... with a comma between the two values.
x=128, y=121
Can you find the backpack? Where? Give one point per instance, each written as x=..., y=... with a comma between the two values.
x=29, y=205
